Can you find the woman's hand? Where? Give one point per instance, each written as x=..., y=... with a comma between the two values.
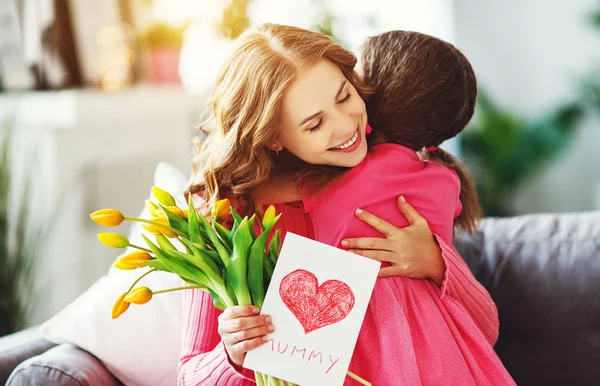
x=242, y=329
x=412, y=252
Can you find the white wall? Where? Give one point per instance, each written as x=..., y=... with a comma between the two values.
x=97, y=150
x=529, y=56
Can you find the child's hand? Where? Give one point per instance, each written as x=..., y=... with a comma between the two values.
x=242, y=329
x=412, y=252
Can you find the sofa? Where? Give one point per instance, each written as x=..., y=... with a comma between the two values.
x=543, y=271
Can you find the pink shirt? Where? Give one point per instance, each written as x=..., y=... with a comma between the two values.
x=412, y=334
x=204, y=361
x=387, y=172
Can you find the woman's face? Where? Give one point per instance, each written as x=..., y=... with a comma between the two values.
x=323, y=118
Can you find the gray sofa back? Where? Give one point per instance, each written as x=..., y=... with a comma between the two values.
x=543, y=272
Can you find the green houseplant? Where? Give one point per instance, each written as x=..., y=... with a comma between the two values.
x=22, y=235
x=502, y=149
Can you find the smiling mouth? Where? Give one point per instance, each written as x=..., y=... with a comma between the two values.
x=348, y=143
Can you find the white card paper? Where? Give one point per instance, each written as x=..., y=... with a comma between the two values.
x=318, y=297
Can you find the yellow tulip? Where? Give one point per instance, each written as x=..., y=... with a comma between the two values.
x=108, y=217
x=269, y=216
x=139, y=295
x=113, y=240
x=120, y=306
x=151, y=207
x=220, y=210
x=175, y=210
x=162, y=196
x=186, y=213
x=151, y=228
x=132, y=260
x=157, y=230
x=120, y=265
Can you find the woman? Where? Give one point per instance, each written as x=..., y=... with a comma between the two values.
x=282, y=77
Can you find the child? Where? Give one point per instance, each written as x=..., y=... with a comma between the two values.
x=424, y=94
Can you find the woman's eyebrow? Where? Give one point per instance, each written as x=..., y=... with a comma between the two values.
x=337, y=95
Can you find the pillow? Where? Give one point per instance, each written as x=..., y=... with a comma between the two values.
x=142, y=346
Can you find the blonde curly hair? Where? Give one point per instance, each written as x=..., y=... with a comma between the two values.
x=244, y=111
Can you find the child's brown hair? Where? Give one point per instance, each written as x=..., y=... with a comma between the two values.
x=425, y=93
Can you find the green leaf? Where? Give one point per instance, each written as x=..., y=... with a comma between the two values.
x=175, y=222
x=256, y=270
x=216, y=243
x=237, y=270
x=275, y=247
x=251, y=221
x=155, y=263
x=229, y=288
x=219, y=305
x=193, y=224
x=223, y=234
x=237, y=219
x=268, y=271
x=179, y=267
x=213, y=255
x=164, y=243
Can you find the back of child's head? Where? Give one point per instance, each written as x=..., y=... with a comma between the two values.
x=425, y=93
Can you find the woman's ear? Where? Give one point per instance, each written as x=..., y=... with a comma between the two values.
x=275, y=146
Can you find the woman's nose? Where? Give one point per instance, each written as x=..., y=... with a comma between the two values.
x=345, y=125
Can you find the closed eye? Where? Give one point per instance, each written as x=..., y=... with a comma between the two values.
x=346, y=98
x=316, y=127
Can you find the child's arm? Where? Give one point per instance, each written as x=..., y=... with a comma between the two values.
x=278, y=189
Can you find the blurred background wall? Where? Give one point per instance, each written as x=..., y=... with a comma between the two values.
x=532, y=56
x=97, y=93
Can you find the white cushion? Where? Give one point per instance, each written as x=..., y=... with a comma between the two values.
x=142, y=346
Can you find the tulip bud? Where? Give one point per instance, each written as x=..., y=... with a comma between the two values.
x=132, y=260
x=120, y=306
x=269, y=216
x=175, y=210
x=220, y=210
x=151, y=228
x=151, y=208
x=107, y=217
x=162, y=196
x=113, y=240
x=139, y=295
x=157, y=230
x=120, y=265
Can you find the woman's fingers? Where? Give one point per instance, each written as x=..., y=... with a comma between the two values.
x=382, y=226
x=368, y=243
x=412, y=216
x=393, y=270
x=376, y=254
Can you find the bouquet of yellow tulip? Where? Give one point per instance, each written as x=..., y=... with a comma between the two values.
x=233, y=265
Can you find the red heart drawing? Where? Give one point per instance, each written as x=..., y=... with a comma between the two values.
x=315, y=306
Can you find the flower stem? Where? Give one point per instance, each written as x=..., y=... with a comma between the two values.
x=156, y=224
x=140, y=248
x=359, y=379
x=259, y=379
x=140, y=278
x=177, y=289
